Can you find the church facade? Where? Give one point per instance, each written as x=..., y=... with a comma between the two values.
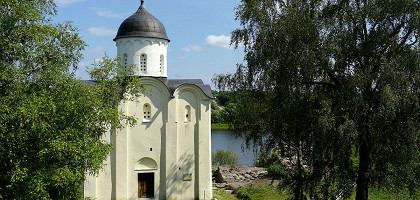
x=167, y=154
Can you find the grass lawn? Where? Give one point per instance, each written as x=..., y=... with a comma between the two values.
x=251, y=193
x=378, y=194
x=219, y=127
x=272, y=193
x=222, y=195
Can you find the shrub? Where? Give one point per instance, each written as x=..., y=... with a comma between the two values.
x=276, y=171
x=254, y=193
x=223, y=158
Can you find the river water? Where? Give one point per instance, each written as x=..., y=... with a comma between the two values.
x=221, y=139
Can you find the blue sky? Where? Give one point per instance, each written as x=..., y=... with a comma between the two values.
x=199, y=31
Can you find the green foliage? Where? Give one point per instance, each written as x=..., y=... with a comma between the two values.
x=334, y=85
x=268, y=158
x=224, y=158
x=213, y=105
x=215, y=116
x=51, y=124
x=223, y=115
x=223, y=106
x=223, y=97
x=277, y=171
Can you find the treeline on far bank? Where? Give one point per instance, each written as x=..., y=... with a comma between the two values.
x=222, y=108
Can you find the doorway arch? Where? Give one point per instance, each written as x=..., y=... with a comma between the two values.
x=146, y=168
x=146, y=164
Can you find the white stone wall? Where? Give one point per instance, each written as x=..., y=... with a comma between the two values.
x=180, y=148
x=154, y=48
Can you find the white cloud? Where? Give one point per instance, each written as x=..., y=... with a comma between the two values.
x=192, y=48
x=103, y=12
x=97, y=50
x=67, y=2
x=89, y=63
x=220, y=41
x=102, y=31
x=98, y=60
x=85, y=64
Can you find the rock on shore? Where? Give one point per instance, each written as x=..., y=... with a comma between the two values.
x=230, y=178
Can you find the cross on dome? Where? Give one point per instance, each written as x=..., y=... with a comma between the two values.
x=142, y=2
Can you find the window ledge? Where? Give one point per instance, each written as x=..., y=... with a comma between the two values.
x=147, y=121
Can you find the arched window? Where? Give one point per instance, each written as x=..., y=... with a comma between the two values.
x=125, y=61
x=162, y=63
x=147, y=113
x=143, y=63
x=187, y=113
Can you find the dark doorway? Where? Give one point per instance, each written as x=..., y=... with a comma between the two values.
x=146, y=182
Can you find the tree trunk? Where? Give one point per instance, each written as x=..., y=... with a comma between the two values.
x=299, y=187
x=363, y=173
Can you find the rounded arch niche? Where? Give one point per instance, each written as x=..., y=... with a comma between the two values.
x=146, y=164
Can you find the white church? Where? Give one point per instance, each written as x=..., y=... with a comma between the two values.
x=167, y=155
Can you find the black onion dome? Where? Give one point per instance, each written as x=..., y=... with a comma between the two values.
x=142, y=24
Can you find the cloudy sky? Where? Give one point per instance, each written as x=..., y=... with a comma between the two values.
x=199, y=31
